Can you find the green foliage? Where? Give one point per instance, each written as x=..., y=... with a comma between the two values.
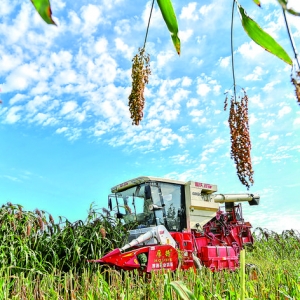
x=182, y=291
x=41, y=259
x=257, y=2
x=44, y=9
x=262, y=38
x=33, y=241
x=169, y=16
x=284, y=4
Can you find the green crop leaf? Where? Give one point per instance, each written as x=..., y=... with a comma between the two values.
x=262, y=38
x=182, y=291
x=257, y=2
x=44, y=9
x=169, y=16
x=284, y=4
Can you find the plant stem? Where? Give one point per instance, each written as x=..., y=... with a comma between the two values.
x=242, y=274
x=148, y=24
x=291, y=37
x=232, y=61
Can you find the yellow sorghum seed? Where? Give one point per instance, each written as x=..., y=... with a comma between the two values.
x=140, y=74
x=296, y=81
x=240, y=139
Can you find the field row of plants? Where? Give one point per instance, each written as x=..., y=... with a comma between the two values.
x=44, y=259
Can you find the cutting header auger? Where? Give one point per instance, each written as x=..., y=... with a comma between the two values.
x=179, y=225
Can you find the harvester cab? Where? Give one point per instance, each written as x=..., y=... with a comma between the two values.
x=178, y=224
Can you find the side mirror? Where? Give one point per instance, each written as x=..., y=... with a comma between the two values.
x=109, y=204
x=119, y=215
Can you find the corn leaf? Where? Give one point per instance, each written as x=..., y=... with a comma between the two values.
x=169, y=16
x=262, y=38
x=44, y=10
x=284, y=4
x=182, y=291
x=257, y=2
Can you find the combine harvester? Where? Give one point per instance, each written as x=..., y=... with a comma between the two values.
x=180, y=225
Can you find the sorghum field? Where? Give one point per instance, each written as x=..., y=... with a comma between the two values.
x=46, y=259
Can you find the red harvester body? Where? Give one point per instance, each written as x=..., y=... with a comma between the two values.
x=180, y=225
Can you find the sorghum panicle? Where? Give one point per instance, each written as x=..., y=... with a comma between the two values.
x=240, y=138
x=140, y=73
x=296, y=81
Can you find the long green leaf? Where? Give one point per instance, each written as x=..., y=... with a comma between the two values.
x=262, y=38
x=257, y=2
x=182, y=291
x=284, y=4
x=169, y=16
x=44, y=10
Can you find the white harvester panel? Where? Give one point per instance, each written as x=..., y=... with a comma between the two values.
x=200, y=205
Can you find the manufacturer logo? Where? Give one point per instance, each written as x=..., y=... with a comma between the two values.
x=196, y=194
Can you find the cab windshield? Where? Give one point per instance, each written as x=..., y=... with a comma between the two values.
x=150, y=204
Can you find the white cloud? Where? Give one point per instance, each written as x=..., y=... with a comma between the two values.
x=37, y=103
x=284, y=111
x=206, y=9
x=184, y=128
x=101, y=45
x=190, y=136
x=71, y=134
x=189, y=12
x=19, y=29
x=17, y=98
x=185, y=35
x=270, y=86
x=12, y=116
x=296, y=122
x=68, y=107
x=224, y=61
x=66, y=77
x=124, y=48
x=156, y=17
x=294, y=4
x=122, y=27
x=197, y=61
x=75, y=21
x=273, y=138
x=62, y=59
x=203, y=89
x=217, y=142
x=206, y=153
x=21, y=77
x=40, y=118
x=179, y=158
x=9, y=62
x=163, y=58
x=192, y=102
x=252, y=119
x=100, y=128
x=216, y=89
x=91, y=16
x=256, y=75
x=256, y=101
x=264, y=135
x=268, y=123
x=186, y=81
x=7, y=7
x=196, y=113
x=250, y=50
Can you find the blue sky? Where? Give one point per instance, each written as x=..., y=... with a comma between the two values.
x=66, y=133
